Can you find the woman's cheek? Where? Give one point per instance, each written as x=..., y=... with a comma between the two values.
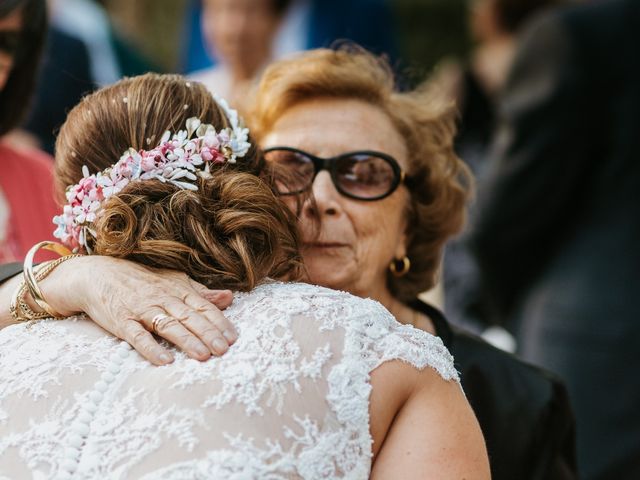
x=382, y=231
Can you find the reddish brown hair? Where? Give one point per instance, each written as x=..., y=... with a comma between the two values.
x=230, y=233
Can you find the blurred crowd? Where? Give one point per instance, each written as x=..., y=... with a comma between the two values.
x=548, y=100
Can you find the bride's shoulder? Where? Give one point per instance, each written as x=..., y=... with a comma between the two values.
x=299, y=289
x=367, y=325
x=289, y=293
x=297, y=297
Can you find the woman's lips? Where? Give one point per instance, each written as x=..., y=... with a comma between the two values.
x=324, y=245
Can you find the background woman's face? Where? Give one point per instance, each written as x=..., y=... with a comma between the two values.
x=357, y=239
x=240, y=31
x=10, y=28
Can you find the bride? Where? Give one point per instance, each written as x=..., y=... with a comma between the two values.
x=319, y=384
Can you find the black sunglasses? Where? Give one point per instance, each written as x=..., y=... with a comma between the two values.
x=363, y=175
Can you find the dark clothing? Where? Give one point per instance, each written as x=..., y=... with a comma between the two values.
x=524, y=411
x=9, y=270
x=460, y=277
x=368, y=23
x=64, y=79
x=557, y=235
x=477, y=119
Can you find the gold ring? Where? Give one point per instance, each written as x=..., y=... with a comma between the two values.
x=156, y=320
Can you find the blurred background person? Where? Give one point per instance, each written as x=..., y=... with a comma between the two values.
x=83, y=51
x=240, y=33
x=64, y=78
x=475, y=84
x=26, y=190
x=89, y=22
x=557, y=232
x=302, y=25
x=494, y=26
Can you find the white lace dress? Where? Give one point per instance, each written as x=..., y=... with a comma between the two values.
x=290, y=399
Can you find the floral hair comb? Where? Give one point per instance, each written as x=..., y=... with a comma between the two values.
x=179, y=160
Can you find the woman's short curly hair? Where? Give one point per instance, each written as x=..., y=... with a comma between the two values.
x=440, y=182
x=230, y=233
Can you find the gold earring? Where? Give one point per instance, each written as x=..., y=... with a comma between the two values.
x=399, y=268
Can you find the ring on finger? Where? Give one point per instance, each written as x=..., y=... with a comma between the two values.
x=161, y=317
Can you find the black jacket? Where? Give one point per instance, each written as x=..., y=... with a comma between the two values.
x=524, y=411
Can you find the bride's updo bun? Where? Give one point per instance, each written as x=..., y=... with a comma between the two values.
x=231, y=232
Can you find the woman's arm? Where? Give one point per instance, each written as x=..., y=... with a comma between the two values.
x=123, y=298
x=434, y=435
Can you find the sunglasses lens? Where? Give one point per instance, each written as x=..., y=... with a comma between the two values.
x=365, y=176
x=294, y=171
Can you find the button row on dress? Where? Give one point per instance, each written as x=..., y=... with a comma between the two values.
x=80, y=428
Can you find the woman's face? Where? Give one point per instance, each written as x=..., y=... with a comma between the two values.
x=240, y=31
x=10, y=27
x=357, y=239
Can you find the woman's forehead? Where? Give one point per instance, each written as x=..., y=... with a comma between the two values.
x=328, y=127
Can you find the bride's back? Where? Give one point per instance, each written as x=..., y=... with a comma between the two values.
x=289, y=400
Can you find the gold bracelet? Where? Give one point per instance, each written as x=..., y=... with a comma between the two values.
x=20, y=310
x=31, y=279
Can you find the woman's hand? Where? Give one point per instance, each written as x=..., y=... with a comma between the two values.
x=130, y=301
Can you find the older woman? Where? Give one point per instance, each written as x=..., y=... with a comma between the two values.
x=387, y=193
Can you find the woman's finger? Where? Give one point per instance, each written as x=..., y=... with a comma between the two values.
x=204, y=321
x=164, y=323
x=196, y=303
x=135, y=335
x=207, y=332
x=220, y=298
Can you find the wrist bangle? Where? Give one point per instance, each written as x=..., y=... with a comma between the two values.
x=20, y=310
x=31, y=278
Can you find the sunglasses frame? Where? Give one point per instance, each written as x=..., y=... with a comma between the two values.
x=329, y=164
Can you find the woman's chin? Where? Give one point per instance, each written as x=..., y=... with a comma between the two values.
x=331, y=268
x=330, y=278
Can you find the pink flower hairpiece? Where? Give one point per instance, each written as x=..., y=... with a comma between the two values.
x=179, y=160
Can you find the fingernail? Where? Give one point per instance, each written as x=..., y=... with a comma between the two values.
x=219, y=345
x=201, y=350
x=164, y=358
x=230, y=335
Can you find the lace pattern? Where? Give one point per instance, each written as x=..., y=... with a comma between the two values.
x=76, y=403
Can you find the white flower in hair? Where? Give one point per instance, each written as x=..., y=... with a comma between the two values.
x=239, y=136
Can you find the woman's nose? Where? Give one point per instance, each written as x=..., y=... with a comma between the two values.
x=325, y=196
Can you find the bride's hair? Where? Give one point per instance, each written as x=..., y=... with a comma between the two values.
x=230, y=233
